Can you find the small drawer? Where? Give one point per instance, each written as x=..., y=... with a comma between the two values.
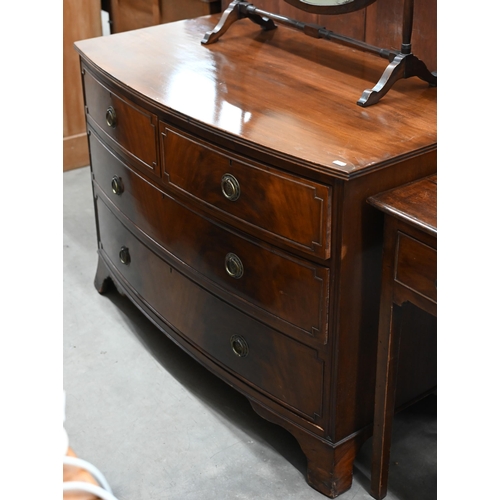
x=126, y=126
x=264, y=358
x=416, y=266
x=115, y=179
x=292, y=290
x=270, y=204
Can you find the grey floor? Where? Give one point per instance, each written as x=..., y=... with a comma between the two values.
x=159, y=426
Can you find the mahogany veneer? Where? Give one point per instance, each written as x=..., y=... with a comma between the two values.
x=230, y=186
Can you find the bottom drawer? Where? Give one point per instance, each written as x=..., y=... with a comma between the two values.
x=281, y=367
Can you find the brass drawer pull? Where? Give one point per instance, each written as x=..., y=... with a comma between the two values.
x=234, y=266
x=239, y=346
x=117, y=185
x=111, y=117
x=124, y=256
x=230, y=187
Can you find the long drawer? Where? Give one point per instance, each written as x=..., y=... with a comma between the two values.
x=283, y=368
x=269, y=203
x=292, y=289
x=128, y=127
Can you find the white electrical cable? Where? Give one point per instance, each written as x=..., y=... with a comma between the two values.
x=104, y=490
x=88, y=488
x=96, y=473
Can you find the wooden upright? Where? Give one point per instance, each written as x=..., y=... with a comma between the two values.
x=80, y=20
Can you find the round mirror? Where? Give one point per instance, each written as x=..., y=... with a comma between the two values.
x=330, y=6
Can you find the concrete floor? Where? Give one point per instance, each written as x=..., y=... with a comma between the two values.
x=159, y=426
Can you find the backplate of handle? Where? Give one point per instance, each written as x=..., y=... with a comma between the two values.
x=117, y=185
x=111, y=117
x=124, y=255
x=230, y=187
x=239, y=346
x=234, y=266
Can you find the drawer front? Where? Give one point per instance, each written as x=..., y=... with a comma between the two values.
x=294, y=290
x=265, y=358
x=269, y=203
x=131, y=129
x=416, y=266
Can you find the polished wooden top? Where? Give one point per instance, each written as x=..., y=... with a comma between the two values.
x=278, y=92
x=414, y=203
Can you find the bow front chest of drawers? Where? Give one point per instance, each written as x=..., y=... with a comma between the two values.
x=230, y=185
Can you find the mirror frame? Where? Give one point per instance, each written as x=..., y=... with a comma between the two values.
x=344, y=8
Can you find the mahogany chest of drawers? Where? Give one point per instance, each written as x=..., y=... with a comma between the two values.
x=230, y=185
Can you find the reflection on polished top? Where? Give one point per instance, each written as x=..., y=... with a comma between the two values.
x=276, y=91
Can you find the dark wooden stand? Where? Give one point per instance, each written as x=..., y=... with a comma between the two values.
x=408, y=275
x=402, y=64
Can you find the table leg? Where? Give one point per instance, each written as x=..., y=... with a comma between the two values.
x=385, y=388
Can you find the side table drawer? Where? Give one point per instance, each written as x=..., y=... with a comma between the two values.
x=131, y=128
x=416, y=266
x=261, y=356
x=287, y=208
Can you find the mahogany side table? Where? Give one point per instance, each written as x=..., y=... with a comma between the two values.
x=409, y=274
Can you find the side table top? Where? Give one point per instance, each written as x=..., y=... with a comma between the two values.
x=414, y=203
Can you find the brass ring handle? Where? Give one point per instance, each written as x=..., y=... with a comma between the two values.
x=230, y=187
x=124, y=256
x=111, y=117
x=234, y=266
x=239, y=346
x=117, y=185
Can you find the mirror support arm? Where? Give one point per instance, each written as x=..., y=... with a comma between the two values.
x=239, y=9
x=402, y=64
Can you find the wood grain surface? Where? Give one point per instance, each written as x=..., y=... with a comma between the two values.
x=415, y=203
x=288, y=95
x=379, y=24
